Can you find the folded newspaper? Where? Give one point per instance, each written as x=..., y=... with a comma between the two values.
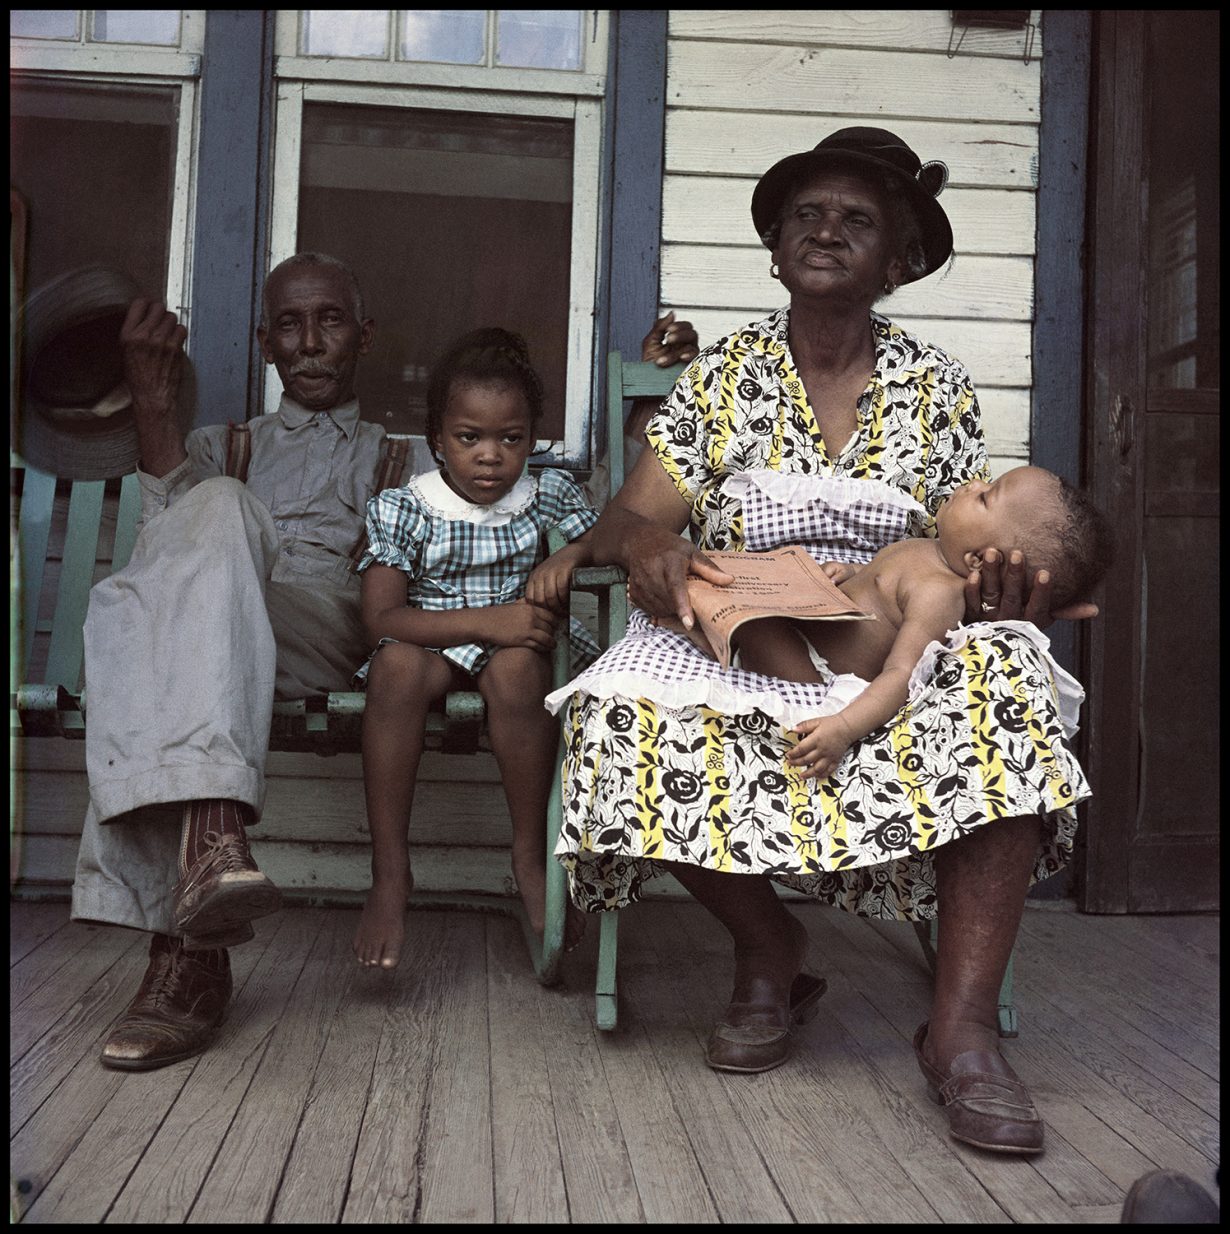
x=787, y=582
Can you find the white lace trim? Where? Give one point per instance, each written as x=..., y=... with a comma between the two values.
x=838, y=492
x=438, y=499
x=717, y=692
x=1070, y=692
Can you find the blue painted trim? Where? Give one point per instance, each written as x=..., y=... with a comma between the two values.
x=231, y=210
x=636, y=99
x=1058, y=396
x=1058, y=334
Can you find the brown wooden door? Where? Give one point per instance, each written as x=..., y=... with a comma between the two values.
x=1153, y=437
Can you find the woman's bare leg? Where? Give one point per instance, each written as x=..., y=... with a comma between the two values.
x=524, y=740
x=981, y=885
x=402, y=683
x=770, y=944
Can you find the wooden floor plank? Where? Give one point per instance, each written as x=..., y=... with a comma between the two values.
x=838, y=1169
x=314, y=1183
x=528, y=1171
x=900, y=989
x=457, y=1168
x=1190, y=1006
x=741, y=1187
x=413, y=1105
x=81, y=957
x=178, y=1160
x=85, y=1139
x=457, y=1090
x=30, y=924
x=598, y=1173
x=40, y=967
x=242, y=1185
x=672, y=1183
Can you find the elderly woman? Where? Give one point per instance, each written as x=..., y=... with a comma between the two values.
x=969, y=794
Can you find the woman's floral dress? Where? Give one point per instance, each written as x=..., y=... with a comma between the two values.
x=669, y=758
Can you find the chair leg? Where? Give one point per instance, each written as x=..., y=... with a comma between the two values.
x=1009, y=1025
x=606, y=1004
x=549, y=953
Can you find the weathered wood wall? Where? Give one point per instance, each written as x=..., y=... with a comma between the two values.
x=746, y=88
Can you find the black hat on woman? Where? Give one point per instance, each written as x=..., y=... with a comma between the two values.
x=873, y=150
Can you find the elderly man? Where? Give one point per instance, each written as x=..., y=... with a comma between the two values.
x=235, y=594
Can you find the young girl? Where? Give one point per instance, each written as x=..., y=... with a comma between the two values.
x=451, y=594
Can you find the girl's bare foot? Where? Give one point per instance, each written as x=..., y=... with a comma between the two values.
x=531, y=878
x=382, y=927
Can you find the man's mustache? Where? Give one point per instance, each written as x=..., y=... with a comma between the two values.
x=314, y=368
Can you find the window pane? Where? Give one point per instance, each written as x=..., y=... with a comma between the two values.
x=451, y=36
x=346, y=32
x=43, y=23
x=539, y=38
x=1183, y=161
x=104, y=199
x=106, y=195
x=137, y=26
x=452, y=220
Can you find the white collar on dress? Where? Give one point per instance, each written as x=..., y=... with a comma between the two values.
x=436, y=495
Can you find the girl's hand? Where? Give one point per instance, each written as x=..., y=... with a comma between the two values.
x=549, y=584
x=521, y=624
x=825, y=742
x=838, y=572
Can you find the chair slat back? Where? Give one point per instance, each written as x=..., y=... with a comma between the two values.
x=76, y=579
x=634, y=379
x=38, y=497
x=126, y=519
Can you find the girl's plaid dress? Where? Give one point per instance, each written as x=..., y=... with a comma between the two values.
x=456, y=554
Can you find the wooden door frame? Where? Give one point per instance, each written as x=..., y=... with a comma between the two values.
x=1116, y=401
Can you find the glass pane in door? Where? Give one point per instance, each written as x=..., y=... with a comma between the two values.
x=451, y=220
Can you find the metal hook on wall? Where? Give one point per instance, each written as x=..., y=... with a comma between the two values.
x=992, y=19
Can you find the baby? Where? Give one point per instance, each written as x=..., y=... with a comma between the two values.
x=916, y=590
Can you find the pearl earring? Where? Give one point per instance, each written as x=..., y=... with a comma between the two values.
x=774, y=270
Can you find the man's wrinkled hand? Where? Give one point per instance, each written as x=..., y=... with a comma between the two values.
x=153, y=345
x=670, y=342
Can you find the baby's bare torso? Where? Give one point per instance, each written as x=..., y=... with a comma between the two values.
x=882, y=587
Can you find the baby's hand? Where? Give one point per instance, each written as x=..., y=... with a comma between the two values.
x=838, y=572
x=522, y=624
x=825, y=741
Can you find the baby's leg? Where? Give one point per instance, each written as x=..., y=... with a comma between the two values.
x=524, y=738
x=773, y=646
x=402, y=683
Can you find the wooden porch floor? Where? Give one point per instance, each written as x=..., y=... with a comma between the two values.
x=458, y=1090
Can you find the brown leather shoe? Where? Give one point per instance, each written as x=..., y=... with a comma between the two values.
x=176, y=1012
x=221, y=889
x=987, y=1105
x=755, y=1036
x=234, y=935
x=1166, y=1197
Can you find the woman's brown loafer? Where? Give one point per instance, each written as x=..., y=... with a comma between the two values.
x=986, y=1104
x=752, y=1038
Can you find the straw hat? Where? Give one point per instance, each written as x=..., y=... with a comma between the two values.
x=74, y=410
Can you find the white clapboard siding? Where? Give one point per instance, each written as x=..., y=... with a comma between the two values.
x=746, y=88
x=739, y=141
x=712, y=276
x=906, y=29
x=718, y=210
x=996, y=353
x=850, y=81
